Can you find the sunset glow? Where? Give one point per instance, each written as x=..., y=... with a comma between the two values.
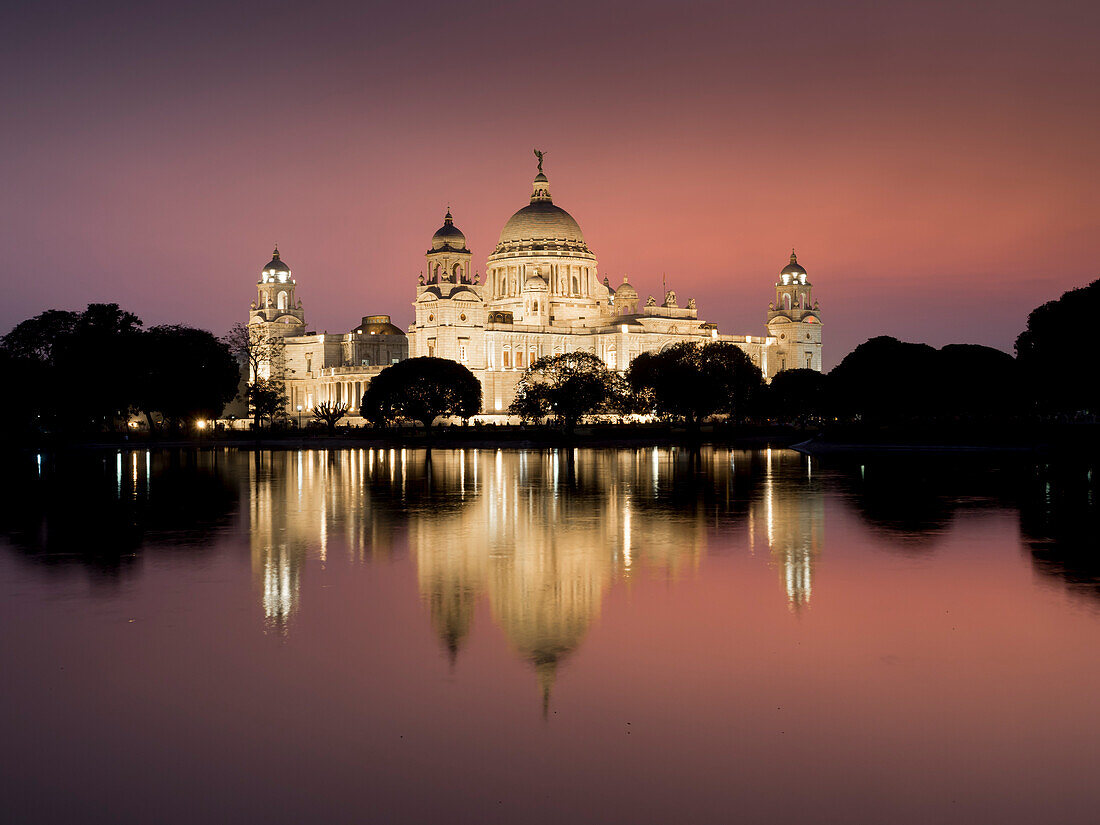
x=933, y=165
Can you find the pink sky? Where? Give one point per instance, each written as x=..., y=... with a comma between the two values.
x=933, y=164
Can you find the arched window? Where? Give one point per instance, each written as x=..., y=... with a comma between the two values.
x=457, y=272
x=436, y=276
x=282, y=300
x=786, y=300
x=576, y=285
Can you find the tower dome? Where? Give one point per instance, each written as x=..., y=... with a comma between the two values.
x=448, y=236
x=276, y=265
x=794, y=267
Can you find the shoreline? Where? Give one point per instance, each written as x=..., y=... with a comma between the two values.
x=1003, y=439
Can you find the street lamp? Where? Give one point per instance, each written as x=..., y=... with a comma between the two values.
x=299, y=418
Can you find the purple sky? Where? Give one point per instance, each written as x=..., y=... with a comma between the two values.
x=934, y=163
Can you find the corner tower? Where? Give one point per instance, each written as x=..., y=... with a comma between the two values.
x=794, y=321
x=450, y=312
x=275, y=302
x=448, y=258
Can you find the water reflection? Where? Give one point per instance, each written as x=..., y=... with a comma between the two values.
x=741, y=609
x=790, y=516
x=539, y=536
x=914, y=499
x=1058, y=518
x=100, y=511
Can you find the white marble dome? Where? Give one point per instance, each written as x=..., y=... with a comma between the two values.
x=541, y=227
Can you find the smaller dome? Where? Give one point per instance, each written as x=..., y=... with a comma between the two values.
x=276, y=263
x=448, y=236
x=793, y=268
x=536, y=282
x=625, y=291
x=377, y=325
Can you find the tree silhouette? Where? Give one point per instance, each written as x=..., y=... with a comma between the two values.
x=567, y=386
x=330, y=412
x=422, y=389
x=691, y=382
x=1058, y=334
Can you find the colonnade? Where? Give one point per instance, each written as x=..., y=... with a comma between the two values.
x=563, y=279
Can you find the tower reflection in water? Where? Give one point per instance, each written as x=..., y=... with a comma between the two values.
x=541, y=536
x=790, y=516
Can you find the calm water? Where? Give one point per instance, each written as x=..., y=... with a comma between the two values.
x=547, y=637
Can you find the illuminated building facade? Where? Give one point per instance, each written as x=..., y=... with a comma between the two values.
x=321, y=367
x=541, y=295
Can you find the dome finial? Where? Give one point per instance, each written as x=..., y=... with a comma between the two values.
x=275, y=254
x=541, y=189
x=447, y=218
x=794, y=258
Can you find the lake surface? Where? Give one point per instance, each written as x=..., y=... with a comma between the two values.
x=643, y=635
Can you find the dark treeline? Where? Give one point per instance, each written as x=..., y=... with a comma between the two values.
x=89, y=371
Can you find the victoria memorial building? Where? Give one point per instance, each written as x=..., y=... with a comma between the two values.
x=541, y=295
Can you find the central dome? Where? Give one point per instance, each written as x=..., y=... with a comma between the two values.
x=541, y=226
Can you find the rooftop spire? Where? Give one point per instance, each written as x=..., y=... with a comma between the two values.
x=794, y=258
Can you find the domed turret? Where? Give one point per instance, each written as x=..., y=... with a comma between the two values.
x=626, y=299
x=793, y=271
x=448, y=258
x=274, y=268
x=625, y=291
x=275, y=304
x=794, y=322
x=449, y=236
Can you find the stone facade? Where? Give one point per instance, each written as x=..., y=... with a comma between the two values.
x=321, y=367
x=541, y=295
